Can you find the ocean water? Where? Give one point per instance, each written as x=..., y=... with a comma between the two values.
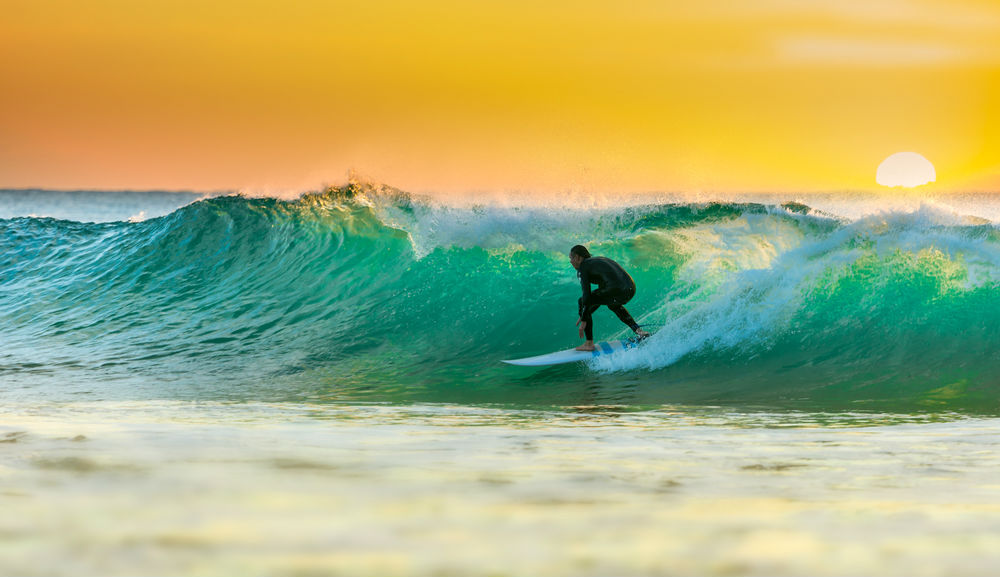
x=197, y=384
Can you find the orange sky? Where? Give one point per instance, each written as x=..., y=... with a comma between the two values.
x=456, y=96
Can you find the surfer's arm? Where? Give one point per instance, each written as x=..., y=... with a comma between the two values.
x=585, y=285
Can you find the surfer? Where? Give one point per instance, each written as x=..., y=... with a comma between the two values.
x=614, y=288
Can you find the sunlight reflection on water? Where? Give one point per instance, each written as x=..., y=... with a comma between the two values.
x=280, y=489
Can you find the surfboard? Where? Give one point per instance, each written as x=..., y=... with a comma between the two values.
x=573, y=355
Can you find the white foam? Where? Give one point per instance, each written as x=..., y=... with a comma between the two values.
x=745, y=279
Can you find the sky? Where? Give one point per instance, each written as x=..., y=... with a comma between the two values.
x=497, y=95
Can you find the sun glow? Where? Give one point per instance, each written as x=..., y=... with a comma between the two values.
x=906, y=169
x=453, y=97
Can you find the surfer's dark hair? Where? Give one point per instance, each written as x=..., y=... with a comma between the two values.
x=580, y=251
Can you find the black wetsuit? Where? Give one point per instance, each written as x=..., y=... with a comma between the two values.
x=614, y=288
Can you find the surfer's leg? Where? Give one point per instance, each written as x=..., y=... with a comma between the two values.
x=617, y=306
x=589, y=319
x=624, y=316
x=586, y=318
x=586, y=315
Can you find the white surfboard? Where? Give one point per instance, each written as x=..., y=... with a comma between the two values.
x=573, y=355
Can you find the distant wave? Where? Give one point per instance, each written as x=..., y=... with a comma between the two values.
x=368, y=292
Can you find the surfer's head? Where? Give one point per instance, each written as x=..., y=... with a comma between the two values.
x=577, y=254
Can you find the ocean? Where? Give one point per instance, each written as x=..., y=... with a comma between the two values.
x=199, y=384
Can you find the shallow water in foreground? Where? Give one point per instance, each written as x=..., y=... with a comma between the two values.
x=201, y=488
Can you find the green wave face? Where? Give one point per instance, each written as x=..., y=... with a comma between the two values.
x=376, y=296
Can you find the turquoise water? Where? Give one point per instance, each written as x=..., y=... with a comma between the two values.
x=374, y=296
x=219, y=385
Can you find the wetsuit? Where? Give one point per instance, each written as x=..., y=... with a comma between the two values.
x=614, y=288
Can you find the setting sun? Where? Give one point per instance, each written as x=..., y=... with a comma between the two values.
x=906, y=169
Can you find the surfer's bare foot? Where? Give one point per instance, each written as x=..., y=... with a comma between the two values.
x=641, y=334
x=587, y=346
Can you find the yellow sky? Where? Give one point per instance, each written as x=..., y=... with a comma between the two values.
x=475, y=95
